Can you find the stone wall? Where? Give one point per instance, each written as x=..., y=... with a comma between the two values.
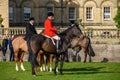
x=102, y=51
x=108, y=51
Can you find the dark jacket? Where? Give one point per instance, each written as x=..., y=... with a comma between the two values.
x=4, y=44
x=30, y=31
x=10, y=43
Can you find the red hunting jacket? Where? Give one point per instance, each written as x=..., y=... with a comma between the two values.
x=49, y=29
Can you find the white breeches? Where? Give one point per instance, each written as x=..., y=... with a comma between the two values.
x=56, y=37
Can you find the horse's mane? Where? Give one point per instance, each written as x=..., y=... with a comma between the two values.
x=65, y=31
x=69, y=29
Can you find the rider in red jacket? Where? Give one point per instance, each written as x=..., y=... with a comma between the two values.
x=50, y=30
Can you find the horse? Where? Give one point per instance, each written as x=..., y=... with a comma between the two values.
x=44, y=59
x=85, y=45
x=20, y=47
x=40, y=42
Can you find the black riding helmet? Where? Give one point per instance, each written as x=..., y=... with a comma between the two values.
x=50, y=14
x=32, y=18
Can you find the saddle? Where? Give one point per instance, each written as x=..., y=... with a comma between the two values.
x=56, y=43
x=52, y=39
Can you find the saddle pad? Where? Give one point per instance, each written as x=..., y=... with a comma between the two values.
x=50, y=38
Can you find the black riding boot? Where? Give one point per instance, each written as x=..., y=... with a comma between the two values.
x=58, y=46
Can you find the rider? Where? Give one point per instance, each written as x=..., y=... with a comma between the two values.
x=50, y=30
x=30, y=31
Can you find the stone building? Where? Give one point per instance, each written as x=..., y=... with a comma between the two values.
x=4, y=12
x=94, y=13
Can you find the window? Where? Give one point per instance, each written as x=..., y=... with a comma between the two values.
x=72, y=13
x=106, y=13
x=89, y=13
x=49, y=9
x=27, y=13
x=10, y=13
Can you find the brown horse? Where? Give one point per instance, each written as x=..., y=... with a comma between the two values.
x=20, y=47
x=84, y=44
x=40, y=42
x=44, y=59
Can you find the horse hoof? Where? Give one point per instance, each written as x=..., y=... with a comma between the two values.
x=24, y=70
x=34, y=75
x=55, y=73
x=50, y=71
x=17, y=70
x=61, y=74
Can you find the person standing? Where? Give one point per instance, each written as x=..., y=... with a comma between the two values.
x=51, y=31
x=4, y=46
x=30, y=31
x=11, y=48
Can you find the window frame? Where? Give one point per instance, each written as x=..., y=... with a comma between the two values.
x=92, y=17
x=25, y=13
x=11, y=13
x=50, y=7
x=75, y=15
x=106, y=14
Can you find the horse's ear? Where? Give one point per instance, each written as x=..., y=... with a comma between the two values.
x=76, y=25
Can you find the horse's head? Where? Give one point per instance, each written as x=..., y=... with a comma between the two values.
x=72, y=31
x=75, y=30
x=70, y=34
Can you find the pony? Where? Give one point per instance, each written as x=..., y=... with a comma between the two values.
x=69, y=39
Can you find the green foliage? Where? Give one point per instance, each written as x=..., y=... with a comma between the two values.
x=1, y=20
x=72, y=71
x=117, y=18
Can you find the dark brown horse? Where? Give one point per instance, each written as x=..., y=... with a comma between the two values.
x=69, y=39
x=84, y=44
x=20, y=48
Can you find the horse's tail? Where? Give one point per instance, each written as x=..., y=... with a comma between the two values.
x=19, y=53
x=32, y=56
x=91, y=51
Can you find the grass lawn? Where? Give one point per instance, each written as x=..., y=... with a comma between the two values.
x=72, y=71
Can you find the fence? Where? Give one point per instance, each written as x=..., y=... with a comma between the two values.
x=92, y=33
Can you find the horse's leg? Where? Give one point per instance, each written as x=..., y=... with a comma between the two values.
x=61, y=63
x=56, y=64
x=90, y=60
x=16, y=60
x=85, y=55
x=46, y=59
x=34, y=63
x=21, y=61
x=4, y=52
x=51, y=59
x=41, y=62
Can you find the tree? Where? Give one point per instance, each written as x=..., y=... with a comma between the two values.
x=117, y=18
x=1, y=20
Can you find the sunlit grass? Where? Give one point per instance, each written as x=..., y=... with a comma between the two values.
x=72, y=71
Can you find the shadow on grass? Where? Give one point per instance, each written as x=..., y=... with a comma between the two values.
x=87, y=70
